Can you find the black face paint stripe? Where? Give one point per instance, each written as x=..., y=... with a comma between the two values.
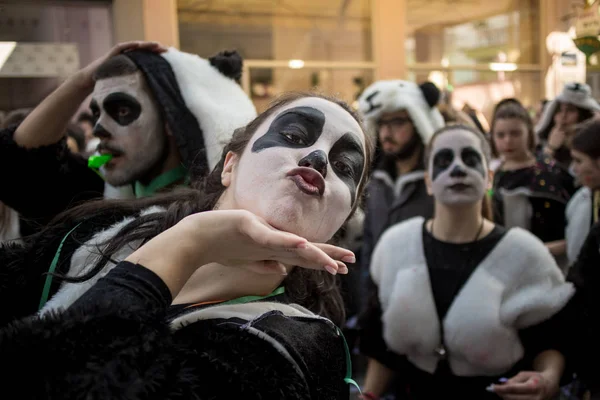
x=347, y=161
x=442, y=160
x=122, y=107
x=472, y=159
x=298, y=127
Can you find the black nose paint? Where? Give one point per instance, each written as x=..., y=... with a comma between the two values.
x=122, y=107
x=100, y=132
x=458, y=172
x=301, y=127
x=316, y=160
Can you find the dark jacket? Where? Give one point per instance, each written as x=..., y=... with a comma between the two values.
x=123, y=339
x=389, y=203
x=40, y=183
x=584, y=311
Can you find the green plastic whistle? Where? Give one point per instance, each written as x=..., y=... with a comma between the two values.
x=96, y=162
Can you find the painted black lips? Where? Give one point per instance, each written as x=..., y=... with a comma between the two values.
x=308, y=180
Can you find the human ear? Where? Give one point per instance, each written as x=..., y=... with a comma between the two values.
x=230, y=162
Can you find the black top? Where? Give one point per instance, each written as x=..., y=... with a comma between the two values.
x=450, y=266
x=116, y=340
x=43, y=182
x=551, y=187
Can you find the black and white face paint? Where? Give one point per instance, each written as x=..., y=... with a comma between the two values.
x=302, y=168
x=129, y=126
x=457, y=168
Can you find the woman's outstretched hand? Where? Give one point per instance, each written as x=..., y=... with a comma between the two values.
x=237, y=237
x=233, y=238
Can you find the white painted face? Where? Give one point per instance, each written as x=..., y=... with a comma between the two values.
x=129, y=126
x=457, y=168
x=302, y=169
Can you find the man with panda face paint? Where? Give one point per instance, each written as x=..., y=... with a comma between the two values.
x=161, y=115
x=131, y=129
x=457, y=169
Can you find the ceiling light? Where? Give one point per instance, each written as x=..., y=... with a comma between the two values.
x=503, y=67
x=296, y=64
x=6, y=49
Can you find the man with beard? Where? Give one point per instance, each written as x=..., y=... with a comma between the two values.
x=403, y=116
x=160, y=115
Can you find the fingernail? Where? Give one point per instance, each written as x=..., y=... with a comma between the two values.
x=282, y=269
x=331, y=270
x=349, y=259
x=343, y=270
x=302, y=246
x=503, y=380
x=490, y=388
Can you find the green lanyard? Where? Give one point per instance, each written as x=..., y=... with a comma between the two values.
x=48, y=283
x=241, y=300
x=162, y=181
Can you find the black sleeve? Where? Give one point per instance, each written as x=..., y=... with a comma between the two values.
x=371, y=342
x=584, y=310
x=115, y=341
x=40, y=183
x=24, y=267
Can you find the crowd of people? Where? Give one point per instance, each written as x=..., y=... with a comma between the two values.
x=172, y=243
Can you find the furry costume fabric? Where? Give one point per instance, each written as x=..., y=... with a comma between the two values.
x=518, y=285
x=117, y=343
x=578, y=94
x=579, y=222
x=396, y=95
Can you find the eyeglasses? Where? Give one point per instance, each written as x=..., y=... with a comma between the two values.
x=394, y=123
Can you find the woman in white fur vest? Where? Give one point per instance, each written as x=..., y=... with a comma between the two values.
x=463, y=307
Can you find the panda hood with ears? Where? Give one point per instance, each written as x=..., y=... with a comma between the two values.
x=200, y=99
x=419, y=101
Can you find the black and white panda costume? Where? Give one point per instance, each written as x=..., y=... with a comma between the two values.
x=118, y=336
x=201, y=103
x=456, y=330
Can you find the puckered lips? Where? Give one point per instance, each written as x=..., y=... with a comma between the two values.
x=308, y=180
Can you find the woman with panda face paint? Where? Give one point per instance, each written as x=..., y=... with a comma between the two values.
x=226, y=292
x=462, y=307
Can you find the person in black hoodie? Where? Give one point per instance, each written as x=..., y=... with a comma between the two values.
x=159, y=112
x=221, y=292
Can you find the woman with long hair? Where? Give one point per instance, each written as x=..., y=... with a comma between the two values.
x=528, y=192
x=224, y=291
x=459, y=302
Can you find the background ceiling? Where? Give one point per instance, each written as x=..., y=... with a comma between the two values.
x=421, y=13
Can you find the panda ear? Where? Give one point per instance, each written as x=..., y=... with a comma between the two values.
x=431, y=93
x=229, y=63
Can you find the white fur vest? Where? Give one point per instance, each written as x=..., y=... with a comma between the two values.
x=579, y=222
x=516, y=286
